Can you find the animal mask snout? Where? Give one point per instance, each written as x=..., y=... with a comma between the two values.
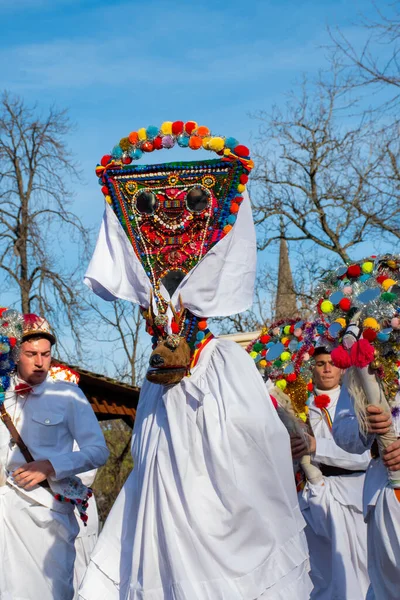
x=156, y=361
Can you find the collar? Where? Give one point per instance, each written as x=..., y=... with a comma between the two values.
x=36, y=389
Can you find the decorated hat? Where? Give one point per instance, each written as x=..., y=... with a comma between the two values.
x=11, y=323
x=35, y=326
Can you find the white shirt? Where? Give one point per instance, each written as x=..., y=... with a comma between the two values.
x=49, y=419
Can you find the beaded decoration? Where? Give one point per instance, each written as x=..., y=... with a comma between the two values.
x=11, y=326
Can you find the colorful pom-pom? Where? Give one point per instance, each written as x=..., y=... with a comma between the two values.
x=227, y=228
x=327, y=306
x=244, y=179
x=177, y=127
x=322, y=401
x=126, y=160
x=190, y=126
x=258, y=346
x=241, y=188
x=263, y=363
x=151, y=132
x=354, y=271
x=285, y=356
x=142, y=134
x=395, y=323
x=147, y=146
x=203, y=131
x=341, y=321
x=281, y=384
x=367, y=267
x=206, y=142
x=371, y=323
x=362, y=353
x=381, y=278
x=231, y=143
x=168, y=141
x=234, y=207
x=202, y=325
x=104, y=189
x=264, y=339
x=216, y=144
x=158, y=143
x=291, y=377
x=388, y=283
x=106, y=159
x=108, y=199
x=195, y=142
x=117, y=152
x=166, y=128
x=174, y=327
x=133, y=137
x=183, y=140
x=136, y=153
x=231, y=219
x=388, y=297
x=340, y=358
x=253, y=354
x=345, y=304
x=369, y=334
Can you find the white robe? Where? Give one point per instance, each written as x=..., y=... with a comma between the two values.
x=336, y=532
x=380, y=506
x=209, y=511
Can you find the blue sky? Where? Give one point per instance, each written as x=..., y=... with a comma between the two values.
x=119, y=65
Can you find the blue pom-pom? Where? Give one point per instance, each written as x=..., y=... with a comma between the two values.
x=152, y=132
x=117, y=152
x=200, y=335
x=231, y=143
x=365, y=277
x=383, y=337
x=136, y=153
x=320, y=329
x=183, y=140
x=232, y=219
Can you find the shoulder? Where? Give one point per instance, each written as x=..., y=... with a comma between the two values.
x=66, y=388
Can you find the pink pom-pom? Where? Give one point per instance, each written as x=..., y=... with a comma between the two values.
x=340, y=358
x=395, y=323
x=362, y=353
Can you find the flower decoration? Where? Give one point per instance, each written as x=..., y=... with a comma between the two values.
x=11, y=329
x=322, y=401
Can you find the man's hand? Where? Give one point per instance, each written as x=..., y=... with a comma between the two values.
x=302, y=445
x=33, y=473
x=379, y=422
x=391, y=456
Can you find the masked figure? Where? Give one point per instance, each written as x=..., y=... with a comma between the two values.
x=210, y=508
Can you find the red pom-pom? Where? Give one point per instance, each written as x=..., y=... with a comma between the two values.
x=381, y=278
x=150, y=330
x=369, y=334
x=345, y=304
x=291, y=377
x=292, y=329
x=311, y=350
x=190, y=126
x=12, y=341
x=322, y=401
x=264, y=339
x=157, y=143
x=241, y=150
x=340, y=358
x=244, y=179
x=362, y=353
x=177, y=127
x=127, y=160
x=105, y=160
x=147, y=146
x=354, y=271
x=286, y=343
x=274, y=402
x=104, y=189
x=174, y=327
x=238, y=199
x=263, y=352
x=310, y=387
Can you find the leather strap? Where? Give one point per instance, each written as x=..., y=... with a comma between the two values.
x=332, y=471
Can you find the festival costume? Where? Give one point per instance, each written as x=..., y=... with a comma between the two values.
x=197, y=518
x=330, y=500
x=37, y=530
x=367, y=333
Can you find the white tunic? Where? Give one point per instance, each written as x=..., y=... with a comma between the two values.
x=37, y=532
x=336, y=532
x=209, y=511
x=380, y=506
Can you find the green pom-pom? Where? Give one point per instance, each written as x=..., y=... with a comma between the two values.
x=258, y=346
x=278, y=363
x=388, y=297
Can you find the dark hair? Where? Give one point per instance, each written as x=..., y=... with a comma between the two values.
x=321, y=350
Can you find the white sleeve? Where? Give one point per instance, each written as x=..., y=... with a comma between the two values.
x=345, y=429
x=329, y=453
x=85, y=430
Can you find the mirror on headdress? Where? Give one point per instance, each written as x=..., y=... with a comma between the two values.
x=275, y=351
x=336, y=297
x=299, y=324
x=172, y=279
x=146, y=203
x=384, y=334
x=341, y=271
x=197, y=199
x=335, y=329
x=369, y=295
x=293, y=345
x=289, y=369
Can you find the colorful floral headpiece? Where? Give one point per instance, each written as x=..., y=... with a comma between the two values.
x=11, y=324
x=360, y=304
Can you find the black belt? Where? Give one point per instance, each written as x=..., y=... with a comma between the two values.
x=331, y=471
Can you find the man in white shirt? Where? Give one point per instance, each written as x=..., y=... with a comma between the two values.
x=336, y=532
x=37, y=530
x=381, y=503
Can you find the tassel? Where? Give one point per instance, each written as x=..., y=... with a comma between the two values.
x=362, y=353
x=340, y=358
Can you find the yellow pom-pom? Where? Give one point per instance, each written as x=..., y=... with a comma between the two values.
x=391, y=264
x=303, y=416
x=253, y=354
x=241, y=188
x=108, y=199
x=263, y=364
x=142, y=133
x=341, y=321
x=284, y=340
x=388, y=283
x=206, y=142
x=286, y=329
x=371, y=323
x=285, y=356
x=327, y=306
x=217, y=144
x=281, y=384
x=166, y=128
x=367, y=267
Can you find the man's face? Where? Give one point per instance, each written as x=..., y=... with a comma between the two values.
x=34, y=360
x=325, y=375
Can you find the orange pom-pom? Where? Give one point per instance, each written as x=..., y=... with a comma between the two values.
x=195, y=142
x=133, y=137
x=202, y=325
x=234, y=207
x=227, y=228
x=203, y=131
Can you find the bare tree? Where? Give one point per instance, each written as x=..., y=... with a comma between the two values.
x=318, y=170
x=119, y=325
x=35, y=220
